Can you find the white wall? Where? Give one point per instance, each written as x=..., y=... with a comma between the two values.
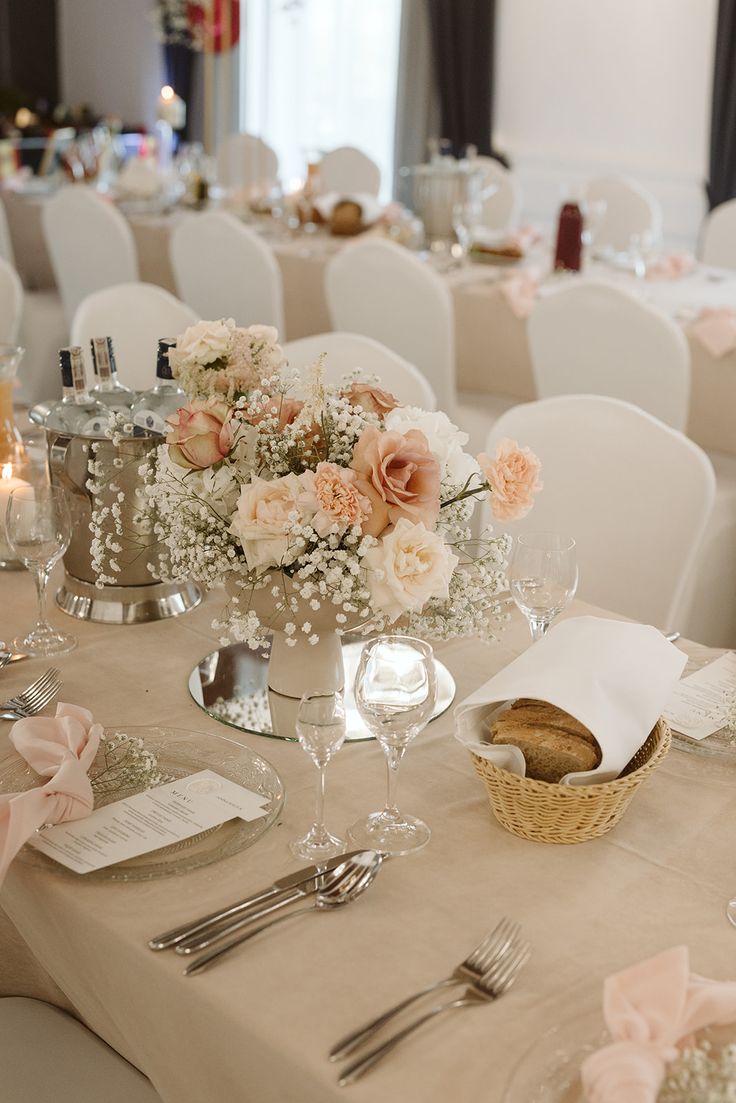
x=591, y=86
x=110, y=58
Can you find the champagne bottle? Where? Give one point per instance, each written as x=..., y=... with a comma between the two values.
x=78, y=413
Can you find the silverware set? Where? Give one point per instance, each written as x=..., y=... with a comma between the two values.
x=34, y=698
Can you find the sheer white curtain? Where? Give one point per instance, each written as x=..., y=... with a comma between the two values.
x=319, y=74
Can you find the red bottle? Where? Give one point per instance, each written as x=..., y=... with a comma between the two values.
x=569, y=251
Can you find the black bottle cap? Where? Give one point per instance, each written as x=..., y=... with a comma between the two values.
x=65, y=363
x=163, y=367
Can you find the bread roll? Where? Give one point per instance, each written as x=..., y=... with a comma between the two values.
x=347, y=218
x=553, y=742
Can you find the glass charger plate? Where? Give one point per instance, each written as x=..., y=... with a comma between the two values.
x=179, y=753
x=231, y=685
x=549, y=1071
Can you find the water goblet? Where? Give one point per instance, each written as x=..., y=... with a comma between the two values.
x=543, y=577
x=395, y=692
x=320, y=727
x=39, y=528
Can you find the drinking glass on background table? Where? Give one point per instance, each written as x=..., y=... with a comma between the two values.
x=320, y=726
x=543, y=577
x=396, y=692
x=39, y=529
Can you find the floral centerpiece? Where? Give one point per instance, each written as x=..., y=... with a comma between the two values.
x=325, y=508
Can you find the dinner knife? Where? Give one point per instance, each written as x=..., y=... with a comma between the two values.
x=278, y=888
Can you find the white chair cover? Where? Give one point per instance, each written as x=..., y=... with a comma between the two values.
x=630, y=209
x=6, y=243
x=11, y=303
x=245, y=162
x=634, y=494
x=346, y=351
x=719, y=236
x=43, y=331
x=135, y=315
x=46, y=1054
x=90, y=244
x=593, y=338
x=225, y=270
x=347, y=169
x=502, y=209
x=379, y=289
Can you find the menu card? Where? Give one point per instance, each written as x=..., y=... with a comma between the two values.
x=699, y=705
x=149, y=821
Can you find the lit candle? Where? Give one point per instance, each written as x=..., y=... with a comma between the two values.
x=171, y=108
x=8, y=483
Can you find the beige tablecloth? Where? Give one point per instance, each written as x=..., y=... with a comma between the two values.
x=257, y=1028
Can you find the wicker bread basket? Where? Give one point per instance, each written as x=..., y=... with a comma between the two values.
x=569, y=813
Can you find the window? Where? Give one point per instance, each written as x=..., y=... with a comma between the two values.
x=317, y=74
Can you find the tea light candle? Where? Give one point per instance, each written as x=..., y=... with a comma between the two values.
x=8, y=483
x=171, y=108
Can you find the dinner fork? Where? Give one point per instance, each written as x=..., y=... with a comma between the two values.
x=495, y=944
x=33, y=698
x=490, y=987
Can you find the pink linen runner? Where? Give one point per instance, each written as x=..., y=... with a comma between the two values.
x=715, y=328
x=61, y=748
x=650, y=1009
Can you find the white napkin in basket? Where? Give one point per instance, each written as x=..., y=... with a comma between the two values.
x=613, y=676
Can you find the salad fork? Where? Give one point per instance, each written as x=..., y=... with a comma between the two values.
x=495, y=944
x=490, y=987
x=33, y=698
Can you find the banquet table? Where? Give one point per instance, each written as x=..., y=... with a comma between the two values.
x=259, y=1025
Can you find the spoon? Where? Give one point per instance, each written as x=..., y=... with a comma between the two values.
x=345, y=884
x=731, y=912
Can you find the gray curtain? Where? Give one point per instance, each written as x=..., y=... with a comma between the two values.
x=417, y=108
x=722, y=183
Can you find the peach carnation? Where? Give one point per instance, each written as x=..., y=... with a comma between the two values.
x=332, y=495
x=513, y=476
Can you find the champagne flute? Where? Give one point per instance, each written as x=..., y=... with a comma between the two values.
x=320, y=726
x=39, y=529
x=396, y=692
x=543, y=576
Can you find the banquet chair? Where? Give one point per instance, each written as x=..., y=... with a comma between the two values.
x=634, y=494
x=629, y=210
x=11, y=303
x=135, y=315
x=224, y=270
x=379, y=289
x=502, y=209
x=46, y=1054
x=347, y=170
x=346, y=351
x=90, y=244
x=718, y=240
x=6, y=243
x=592, y=338
x=245, y=162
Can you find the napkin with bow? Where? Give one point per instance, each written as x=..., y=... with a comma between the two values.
x=62, y=749
x=650, y=1009
x=370, y=207
x=615, y=677
x=715, y=328
x=672, y=267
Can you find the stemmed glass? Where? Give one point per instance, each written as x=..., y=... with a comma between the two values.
x=320, y=726
x=543, y=576
x=39, y=529
x=396, y=692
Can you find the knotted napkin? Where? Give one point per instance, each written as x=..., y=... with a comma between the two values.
x=649, y=1009
x=672, y=267
x=520, y=292
x=715, y=328
x=62, y=749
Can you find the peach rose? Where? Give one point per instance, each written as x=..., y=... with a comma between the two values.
x=371, y=399
x=513, y=476
x=410, y=565
x=399, y=475
x=201, y=433
x=332, y=496
x=286, y=410
x=262, y=518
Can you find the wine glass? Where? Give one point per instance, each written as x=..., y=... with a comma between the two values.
x=543, y=576
x=396, y=692
x=39, y=529
x=320, y=726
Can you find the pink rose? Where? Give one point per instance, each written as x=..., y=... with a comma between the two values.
x=332, y=495
x=262, y=520
x=285, y=410
x=371, y=399
x=399, y=475
x=201, y=433
x=513, y=476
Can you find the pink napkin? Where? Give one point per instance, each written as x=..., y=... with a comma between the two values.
x=715, y=328
x=649, y=1009
x=672, y=267
x=520, y=292
x=62, y=749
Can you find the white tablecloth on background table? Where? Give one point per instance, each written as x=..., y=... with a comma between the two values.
x=257, y=1028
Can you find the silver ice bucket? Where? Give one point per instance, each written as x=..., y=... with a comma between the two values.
x=138, y=596
x=436, y=189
